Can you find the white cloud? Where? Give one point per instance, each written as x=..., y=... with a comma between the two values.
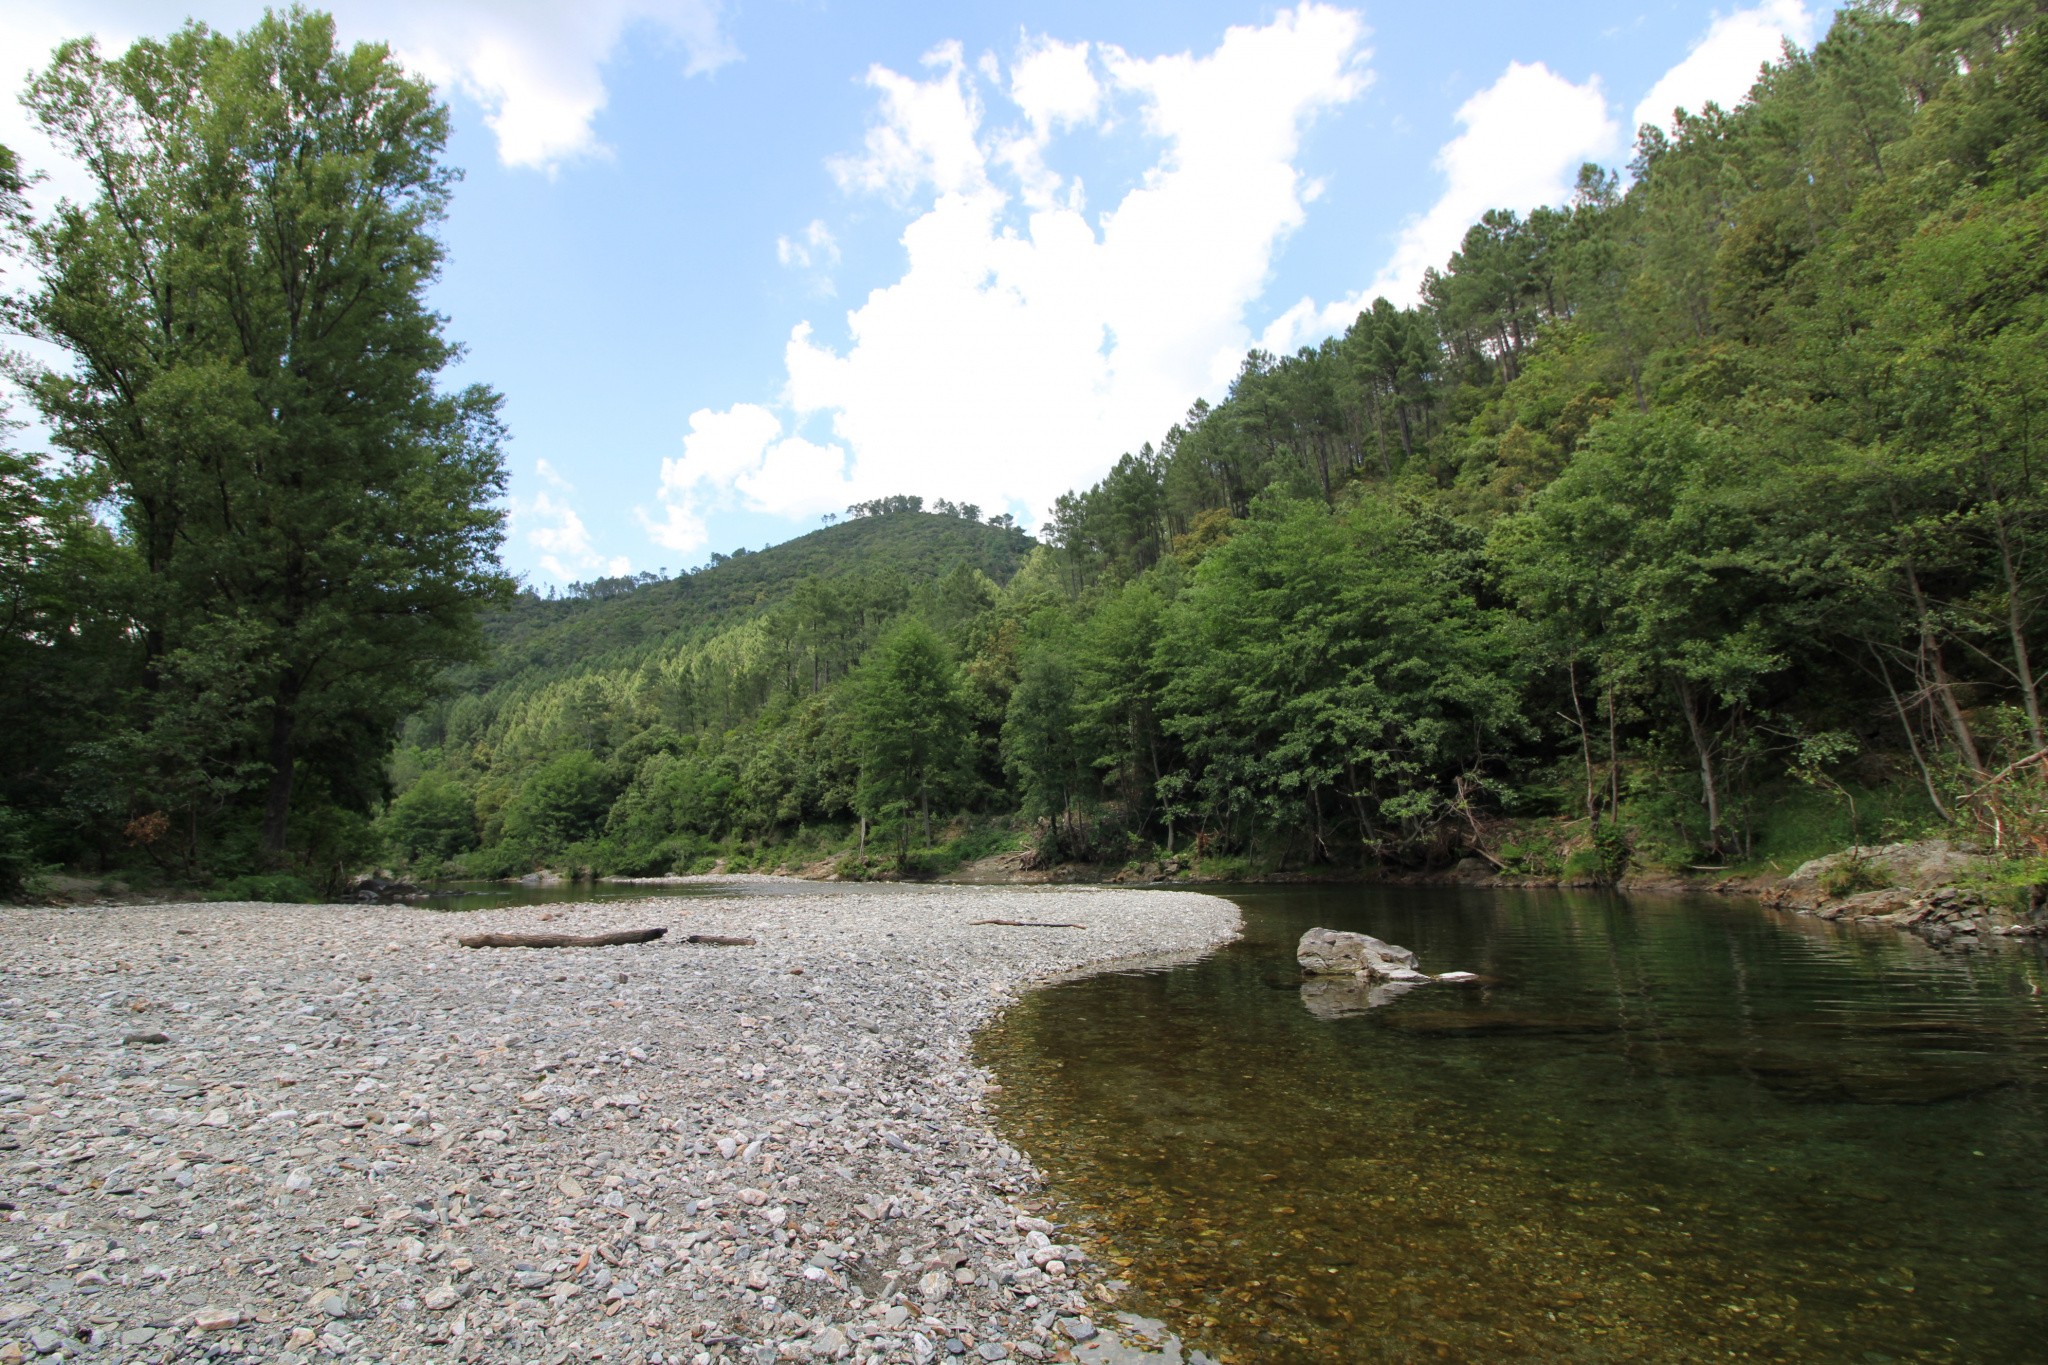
x=815, y=247
x=550, y=525
x=1524, y=139
x=1052, y=85
x=1723, y=64
x=926, y=131
x=1024, y=344
x=741, y=456
x=535, y=67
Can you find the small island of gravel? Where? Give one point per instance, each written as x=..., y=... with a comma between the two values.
x=330, y=1132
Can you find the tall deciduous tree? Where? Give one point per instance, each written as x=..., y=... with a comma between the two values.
x=911, y=726
x=254, y=376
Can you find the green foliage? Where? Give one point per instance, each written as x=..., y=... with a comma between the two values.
x=854, y=571
x=265, y=886
x=1852, y=874
x=18, y=862
x=307, y=525
x=1335, y=672
x=911, y=729
x=1603, y=858
x=1697, y=522
x=1043, y=749
x=431, y=822
x=561, y=804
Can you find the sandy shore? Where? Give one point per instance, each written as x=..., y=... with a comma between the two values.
x=300, y=1133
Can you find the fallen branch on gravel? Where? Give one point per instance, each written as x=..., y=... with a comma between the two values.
x=720, y=941
x=1030, y=924
x=561, y=940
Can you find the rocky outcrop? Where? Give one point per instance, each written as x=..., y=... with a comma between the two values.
x=1914, y=889
x=1923, y=865
x=1946, y=915
x=1334, y=952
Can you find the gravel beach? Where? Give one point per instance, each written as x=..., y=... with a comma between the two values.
x=318, y=1133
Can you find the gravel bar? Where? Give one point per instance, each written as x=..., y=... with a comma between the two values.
x=326, y=1133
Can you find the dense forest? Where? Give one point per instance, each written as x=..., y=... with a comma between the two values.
x=1696, y=523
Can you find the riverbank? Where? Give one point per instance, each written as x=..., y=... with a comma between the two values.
x=1944, y=892
x=321, y=1130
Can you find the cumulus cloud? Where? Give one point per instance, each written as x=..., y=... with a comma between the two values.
x=926, y=132
x=535, y=67
x=549, y=525
x=1723, y=64
x=1024, y=343
x=740, y=457
x=1522, y=142
x=1053, y=86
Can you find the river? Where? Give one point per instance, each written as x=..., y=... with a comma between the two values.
x=1677, y=1129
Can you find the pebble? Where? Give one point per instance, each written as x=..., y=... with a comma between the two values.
x=359, y=1141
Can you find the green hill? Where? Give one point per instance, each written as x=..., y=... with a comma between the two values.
x=650, y=716
x=916, y=547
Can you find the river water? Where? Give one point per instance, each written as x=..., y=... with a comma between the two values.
x=1676, y=1130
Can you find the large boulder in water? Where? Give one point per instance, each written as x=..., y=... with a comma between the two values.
x=1334, y=952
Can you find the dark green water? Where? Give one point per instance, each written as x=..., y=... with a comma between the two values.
x=1679, y=1130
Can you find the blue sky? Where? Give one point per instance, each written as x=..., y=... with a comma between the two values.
x=734, y=266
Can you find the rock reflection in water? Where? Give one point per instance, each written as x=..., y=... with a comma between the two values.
x=1336, y=997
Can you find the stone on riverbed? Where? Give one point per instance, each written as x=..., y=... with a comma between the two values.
x=1136, y=1341
x=1334, y=952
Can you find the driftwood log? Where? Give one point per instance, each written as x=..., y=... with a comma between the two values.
x=1030, y=924
x=720, y=941
x=561, y=940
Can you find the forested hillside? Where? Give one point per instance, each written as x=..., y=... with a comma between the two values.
x=1693, y=521
x=1697, y=522
x=635, y=724
x=609, y=615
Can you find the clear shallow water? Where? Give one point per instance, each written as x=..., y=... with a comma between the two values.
x=1679, y=1130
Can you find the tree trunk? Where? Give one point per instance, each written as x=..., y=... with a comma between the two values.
x=1379, y=435
x=611, y=940
x=1912, y=740
x=1702, y=743
x=1944, y=691
x=277, y=800
x=2015, y=624
x=1613, y=756
x=1585, y=746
